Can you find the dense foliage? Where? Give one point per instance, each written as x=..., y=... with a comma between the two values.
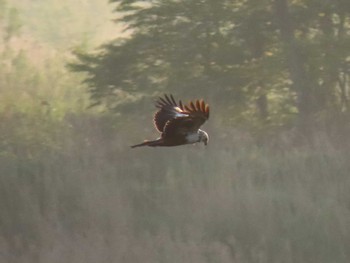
x=269, y=62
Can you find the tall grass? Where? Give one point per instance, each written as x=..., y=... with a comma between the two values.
x=82, y=195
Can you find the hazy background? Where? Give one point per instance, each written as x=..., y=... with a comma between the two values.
x=271, y=186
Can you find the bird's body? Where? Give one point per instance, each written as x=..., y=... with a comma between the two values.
x=178, y=123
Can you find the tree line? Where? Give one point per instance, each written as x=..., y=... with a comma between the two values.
x=270, y=63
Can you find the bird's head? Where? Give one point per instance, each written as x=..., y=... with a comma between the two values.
x=203, y=137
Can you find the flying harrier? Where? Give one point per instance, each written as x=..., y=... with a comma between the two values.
x=178, y=123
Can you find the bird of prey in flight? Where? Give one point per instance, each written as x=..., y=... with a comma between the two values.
x=178, y=123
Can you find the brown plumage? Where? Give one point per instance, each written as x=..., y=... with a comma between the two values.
x=178, y=123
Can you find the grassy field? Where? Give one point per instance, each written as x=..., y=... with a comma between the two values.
x=80, y=194
x=73, y=191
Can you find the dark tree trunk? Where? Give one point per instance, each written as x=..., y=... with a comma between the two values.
x=295, y=63
x=262, y=106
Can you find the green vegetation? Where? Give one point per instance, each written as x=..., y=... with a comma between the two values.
x=261, y=62
x=267, y=188
x=85, y=197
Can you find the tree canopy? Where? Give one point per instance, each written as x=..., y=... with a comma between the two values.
x=265, y=62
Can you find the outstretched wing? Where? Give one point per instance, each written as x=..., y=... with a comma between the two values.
x=168, y=110
x=197, y=113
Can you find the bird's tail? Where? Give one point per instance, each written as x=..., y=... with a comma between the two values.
x=148, y=143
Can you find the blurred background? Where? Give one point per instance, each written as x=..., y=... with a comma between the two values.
x=78, y=80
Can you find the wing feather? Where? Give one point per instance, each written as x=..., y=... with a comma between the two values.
x=162, y=101
x=198, y=112
x=198, y=105
x=202, y=107
x=192, y=106
x=178, y=127
x=181, y=105
x=207, y=111
x=172, y=99
x=168, y=110
x=168, y=99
